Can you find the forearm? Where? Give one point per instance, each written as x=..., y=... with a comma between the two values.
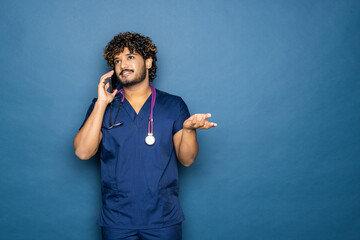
x=188, y=148
x=87, y=140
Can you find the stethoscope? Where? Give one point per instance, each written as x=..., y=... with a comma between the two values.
x=150, y=139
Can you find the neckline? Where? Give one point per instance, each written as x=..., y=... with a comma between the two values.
x=120, y=96
x=142, y=107
x=144, y=110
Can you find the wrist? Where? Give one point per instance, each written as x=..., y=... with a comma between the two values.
x=189, y=130
x=101, y=103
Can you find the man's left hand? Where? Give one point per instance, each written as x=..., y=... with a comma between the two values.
x=198, y=121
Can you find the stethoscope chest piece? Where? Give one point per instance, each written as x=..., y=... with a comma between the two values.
x=150, y=139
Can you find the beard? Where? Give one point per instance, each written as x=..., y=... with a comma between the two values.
x=140, y=77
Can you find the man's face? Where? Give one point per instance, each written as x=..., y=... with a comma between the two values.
x=130, y=68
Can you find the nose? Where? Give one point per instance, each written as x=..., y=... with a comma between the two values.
x=124, y=64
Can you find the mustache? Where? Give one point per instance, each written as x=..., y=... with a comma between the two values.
x=126, y=70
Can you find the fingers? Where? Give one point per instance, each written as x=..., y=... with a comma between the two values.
x=105, y=76
x=209, y=125
x=107, y=86
x=199, y=121
x=114, y=93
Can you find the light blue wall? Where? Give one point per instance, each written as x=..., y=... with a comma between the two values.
x=281, y=79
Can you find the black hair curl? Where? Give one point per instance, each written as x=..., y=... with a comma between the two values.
x=134, y=42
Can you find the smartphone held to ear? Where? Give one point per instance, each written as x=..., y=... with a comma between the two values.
x=112, y=82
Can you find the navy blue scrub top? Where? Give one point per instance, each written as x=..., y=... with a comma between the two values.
x=139, y=183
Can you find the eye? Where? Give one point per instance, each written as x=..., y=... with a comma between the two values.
x=116, y=62
x=131, y=57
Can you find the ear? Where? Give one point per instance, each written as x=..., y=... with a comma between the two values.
x=148, y=62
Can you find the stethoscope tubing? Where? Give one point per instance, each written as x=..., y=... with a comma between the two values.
x=151, y=116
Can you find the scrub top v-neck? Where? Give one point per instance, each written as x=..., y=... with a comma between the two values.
x=139, y=183
x=131, y=111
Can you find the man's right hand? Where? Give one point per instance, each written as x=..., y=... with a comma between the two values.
x=103, y=94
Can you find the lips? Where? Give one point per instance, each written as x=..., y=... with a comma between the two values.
x=126, y=72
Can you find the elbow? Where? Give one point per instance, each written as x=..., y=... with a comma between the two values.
x=80, y=152
x=85, y=154
x=82, y=156
x=188, y=163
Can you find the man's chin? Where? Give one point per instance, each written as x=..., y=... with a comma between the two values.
x=128, y=83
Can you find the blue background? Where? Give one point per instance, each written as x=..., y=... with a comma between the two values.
x=281, y=79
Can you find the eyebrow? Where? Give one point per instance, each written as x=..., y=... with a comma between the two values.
x=127, y=55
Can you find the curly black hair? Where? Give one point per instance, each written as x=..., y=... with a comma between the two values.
x=134, y=42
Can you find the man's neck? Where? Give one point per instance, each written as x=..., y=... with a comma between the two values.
x=138, y=91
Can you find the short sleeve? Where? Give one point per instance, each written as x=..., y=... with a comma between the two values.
x=89, y=112
x=183, y=115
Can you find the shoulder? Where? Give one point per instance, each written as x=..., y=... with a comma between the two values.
x=92, y=104
x=172, y=104
x=165, y=97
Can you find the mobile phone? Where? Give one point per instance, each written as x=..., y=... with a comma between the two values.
x=112, y=81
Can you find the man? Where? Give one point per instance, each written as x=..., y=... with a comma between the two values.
x=142, y=134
